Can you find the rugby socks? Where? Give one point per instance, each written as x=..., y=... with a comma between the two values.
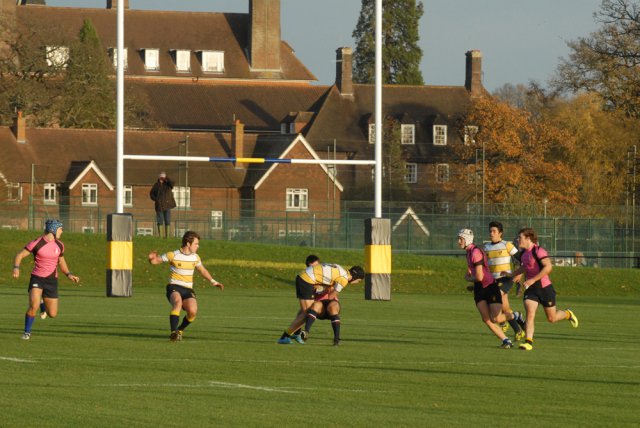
x=28, y=323
x=335, y=324
x=311, y=318
x=43, y=308
x=285, y=334
x=529, y=341
x=514, y=323
x=567, y=315
x=185, y=323
x=174, y=319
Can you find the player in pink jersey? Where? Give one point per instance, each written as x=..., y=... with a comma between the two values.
x=486, y=292
x=538, y=289
x=48, y=253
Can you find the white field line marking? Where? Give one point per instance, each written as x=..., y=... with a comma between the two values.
x=17, y=360
x=210, y=384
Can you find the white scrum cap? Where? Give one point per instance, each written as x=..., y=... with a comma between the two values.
x=467, y=235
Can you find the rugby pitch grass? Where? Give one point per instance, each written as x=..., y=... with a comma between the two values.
x=418, y=360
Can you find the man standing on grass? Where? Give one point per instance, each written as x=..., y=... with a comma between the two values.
x=538, y=289
x=183, y=263
x=486, y=292
x=499, y=258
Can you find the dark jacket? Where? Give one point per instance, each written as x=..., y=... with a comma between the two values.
x=162, y=195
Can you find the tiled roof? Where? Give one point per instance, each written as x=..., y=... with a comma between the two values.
x=166, y=31
x=346, y=119
x=55, y=151
x=261, y=106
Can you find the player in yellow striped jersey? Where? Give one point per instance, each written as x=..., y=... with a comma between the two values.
x=183, y=263
x=328, y=281
x=499, y=254
x=304, y=293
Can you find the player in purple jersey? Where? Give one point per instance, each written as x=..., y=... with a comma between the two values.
x=48, y=253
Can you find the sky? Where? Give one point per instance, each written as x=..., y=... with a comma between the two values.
x=521, y=40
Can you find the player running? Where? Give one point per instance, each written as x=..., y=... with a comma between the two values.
x=499, y=254
x=304, y=293
x=183, y=263
x=48, y=253
x=538, y=289
x=328, y=281
x=486, y=292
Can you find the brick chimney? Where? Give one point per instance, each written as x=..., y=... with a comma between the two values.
x=237, y=142
x=473, y=79
x=19, y=128
x=264, y=35
x=113, y=4
x=344, y=71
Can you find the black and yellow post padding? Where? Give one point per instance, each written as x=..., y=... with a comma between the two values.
x=377, y=252
x=119, y=255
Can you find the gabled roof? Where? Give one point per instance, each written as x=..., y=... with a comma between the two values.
x=280, y=146
x=88, y=166
x=166, y=30
x=345, y=119
x=410, y=214
x=53, y=152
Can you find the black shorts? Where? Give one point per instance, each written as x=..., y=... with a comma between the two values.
x=325, y=304
x=185, y=293
x=304, y=290
x=505, y=284
x=545, y=296
x=49, y=286
x=491, y=293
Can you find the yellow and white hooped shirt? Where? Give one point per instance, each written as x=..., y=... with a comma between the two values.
x=182, y=267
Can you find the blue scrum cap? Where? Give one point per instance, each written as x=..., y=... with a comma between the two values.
x=52, y=225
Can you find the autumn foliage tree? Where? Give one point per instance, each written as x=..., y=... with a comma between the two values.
x=527, y=160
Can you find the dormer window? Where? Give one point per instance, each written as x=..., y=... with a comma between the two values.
x=57, y=56
x=439, y=135
x=114, y=57
x=151, y=59
x=470, y=132
x=408, y=133
x=183, y=60
x=212, y=61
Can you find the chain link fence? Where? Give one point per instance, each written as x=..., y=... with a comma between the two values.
x=419, y=228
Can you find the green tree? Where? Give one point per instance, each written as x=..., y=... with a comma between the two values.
x=401, y=54
x=393, y=163
x=89, y=94
x=607, y=61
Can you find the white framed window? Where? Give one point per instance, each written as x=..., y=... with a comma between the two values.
x=152, y=59
x=57, y=56
x=439, y=135
x=183, y=60
x=182, y=195
x=372, y=133
x=297, y=199
x=14, y=192
x=216, y=220
x=212, y=61
x=127, y=195
x=283, y=128
x=292, y=128
x=411, y=174
x=442, y=172
x=88, y=229
x=50, y=193
x=470, y=132
x=114, y=57
x=408, y=134
x=89, y=194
